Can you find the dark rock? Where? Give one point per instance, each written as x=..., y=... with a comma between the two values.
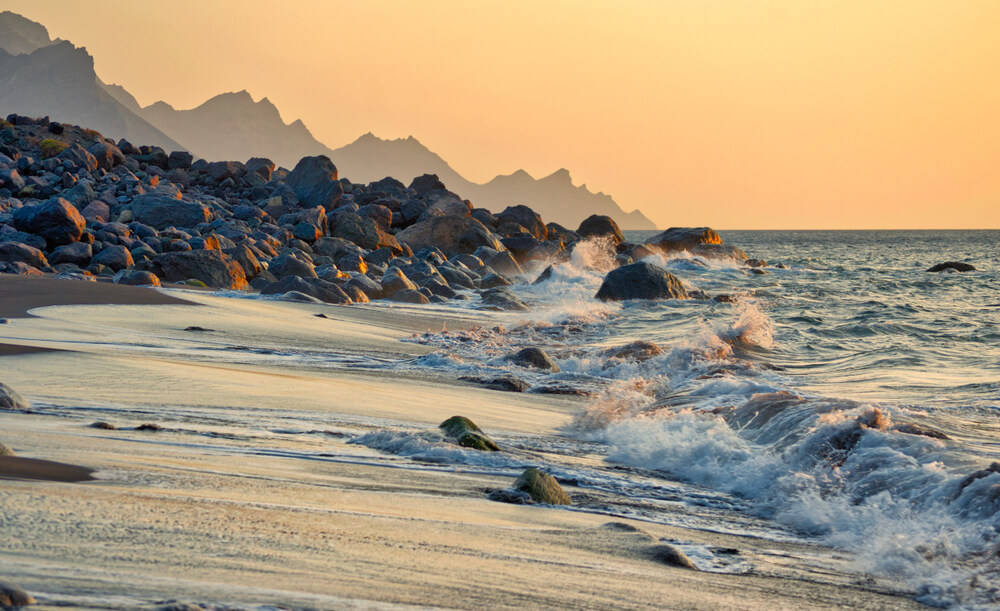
x=314, y=181
x=322, y=290
x=247, y=259
x=160, y=211
x=953, y=265
x=395, y=280
x=77, y=253
x=15, y=252
x=504, y=383
x=108, y=156
x=545, y=275
x=668, y=554
x=684, y=238
x=220, y=171
x=542, y=488
x=335, y=248
x=409, y=296
x=640, y=350
x=719, y=251
x=136, y=278
x=211, y=267
x=505, y=264
x=640, y=281
x=13, y=597
x=292, y=264
x=452, y=234
x=492, y=280
x=912, y=428
x=534, y=358
x=597, y=225
x=149, y=426
x=520, y=247
x=97, y=211
x=116, y=257
x=502, y=299
x=467, y=434
x=261, y=166
x=79, y=157
x=365, y=283
x=107, y=426
x=179, y=160
x=56, y=220
x=525, y=217
x=425, y=183
x=10, y=399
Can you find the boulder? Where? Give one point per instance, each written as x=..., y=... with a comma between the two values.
x=425, y=183
x=107, y=155
x=219, y=171
x=160, y=211
x=363, y=282
x=261, y=166
x=525, y=217
x=13, y=597
x=56, y=220
x=501, y=298
x=395, y=280
x=16, y=252
x=97, y=210
x=534, y=358
x=117, y=257
x=134, y=277
x=640, y=350
x=952, y=266
x=599, y=225
x=322, y=290
x=467, y=434
x=10, y=399
x=79, y=157
x=541, y=487
x=668, y=554
x=77, y=253
x=5, y=451
x=409, y=296
x=452, y=234
x=683, y=238
x=314, y=181
x=211, y=267
x=179, y=160
x=363, y=231
x=289, y=264
x=640, y=281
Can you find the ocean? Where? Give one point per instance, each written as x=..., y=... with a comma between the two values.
x=847, y=397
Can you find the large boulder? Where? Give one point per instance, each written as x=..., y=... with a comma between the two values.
x=79, y=157
x=363, y=231
x=13, y=597
x=541, y=487
x=16, y=252
x=315, y=182
x=107, y=155
x=525, y=217
x=452, y=234
x=161, y=211
x=640, y=281
x=117, y=257
x=212, y=267
x=684, y=238
x=56, y=220
x=10, y=399
x=322, y=290
x=425, y=183
x=598, y=225
x=77, y=253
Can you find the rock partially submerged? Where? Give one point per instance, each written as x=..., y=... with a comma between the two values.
x=535, y=358
x=13, y=597
x=467, y=434
x=5, y=451
x=10, y=399
x=952, y=266
x=684, y=238
x=542, y=488
x=668, y=554
x=640, y=281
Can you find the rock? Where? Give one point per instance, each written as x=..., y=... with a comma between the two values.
x=598, y=225
x=719, y=251
x=322, y=290
x=79, y=157
x=425, y=183
x=116, y=257
x=640, y=281
x=668, y=554
x=542, y=488
x=314, y=181
x=452, y=234
x=261, y=166
x=212, y=267
x=77, y=253
x=371, y=288
x=161, y=211
x=502, y=299
x=97, y=211
x=505, y=263
x=525, y=217
x=220, y=171
x=5, y=451
x=179, y=160
x=467, y=434
x=410, y=296
x=363, y=231
x=56, y=220
x=108, y=156
x=13, y=597
x=299, y=297
x=289, y=264
x=395, y=280
x=684, y=238
x=15, y=252
x=535, y=358
x=136, y=278
x=505, y=383
x=10, y=399
x=954, y=266
x=636, y=351
x=245, y=256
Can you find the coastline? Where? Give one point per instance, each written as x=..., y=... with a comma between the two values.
x=237, y=500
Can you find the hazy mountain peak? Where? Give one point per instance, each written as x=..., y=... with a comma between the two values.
x=559, y=176
x=20, y=35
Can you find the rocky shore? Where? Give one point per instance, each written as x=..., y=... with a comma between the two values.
x=77, y=205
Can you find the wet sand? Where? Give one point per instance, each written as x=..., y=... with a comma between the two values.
x=251, y=494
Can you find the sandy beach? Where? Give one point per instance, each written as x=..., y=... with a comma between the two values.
x=253, y=492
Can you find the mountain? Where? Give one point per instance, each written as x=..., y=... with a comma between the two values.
x=231, y=126
x=19, y=35
x=555, y=197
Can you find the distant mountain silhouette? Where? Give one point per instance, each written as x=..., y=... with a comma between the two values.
x=39, y=76
x=231, y=126
x=555, y=197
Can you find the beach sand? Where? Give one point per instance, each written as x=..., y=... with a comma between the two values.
x=250, y=494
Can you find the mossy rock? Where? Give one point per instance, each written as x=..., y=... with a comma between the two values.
x=542, y=487
x=467, y=434
x=51, y=148
x=195, y=282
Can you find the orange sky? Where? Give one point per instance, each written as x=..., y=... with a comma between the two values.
x=735, y=114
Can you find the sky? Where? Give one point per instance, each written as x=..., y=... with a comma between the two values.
x=765, y=114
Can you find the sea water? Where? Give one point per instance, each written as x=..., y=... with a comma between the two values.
x=845, y=395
